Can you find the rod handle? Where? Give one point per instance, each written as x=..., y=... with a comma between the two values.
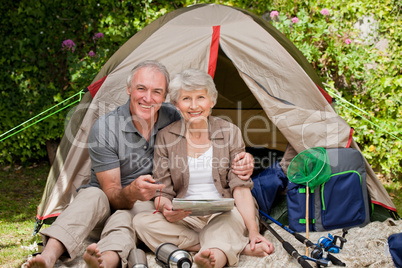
x=335, y=260
x=293, y=252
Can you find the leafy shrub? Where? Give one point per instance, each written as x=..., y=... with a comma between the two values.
x=365, y=79
x=39, y=68
x=36, y=73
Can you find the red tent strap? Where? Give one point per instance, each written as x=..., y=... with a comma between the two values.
x=94, y=87
x=384, y=206
x=350, y=137
x=325, y=94
x=47, y=216
x=213, y=52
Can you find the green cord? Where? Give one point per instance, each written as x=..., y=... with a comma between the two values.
x=333, y=94
x=364, y=118
x=80, y=97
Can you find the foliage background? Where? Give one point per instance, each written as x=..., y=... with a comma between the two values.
x=36, y=73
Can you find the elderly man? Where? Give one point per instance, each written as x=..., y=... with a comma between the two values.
x=121, y=150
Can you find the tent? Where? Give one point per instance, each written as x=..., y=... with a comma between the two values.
x=266, y=87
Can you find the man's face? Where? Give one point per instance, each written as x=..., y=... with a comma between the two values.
x=148, y=90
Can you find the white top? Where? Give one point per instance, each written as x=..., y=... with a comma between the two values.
x=201, y=184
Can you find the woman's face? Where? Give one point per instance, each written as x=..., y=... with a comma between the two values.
x=194, y=105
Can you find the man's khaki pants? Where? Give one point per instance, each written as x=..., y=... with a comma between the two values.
x=90, y=215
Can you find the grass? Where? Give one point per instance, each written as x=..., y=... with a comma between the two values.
x=20, y=193
x=394, y=189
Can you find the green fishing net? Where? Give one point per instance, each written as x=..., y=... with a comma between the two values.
x=310, y=167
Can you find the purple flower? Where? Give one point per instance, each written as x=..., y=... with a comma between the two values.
x=324, y=12
x=91, y=54
x=274, y=14
x=295, y=20
x=348, y=41
x=97, y=36
x=68, y=44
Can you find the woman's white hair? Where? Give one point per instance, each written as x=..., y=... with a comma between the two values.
x=189, y=80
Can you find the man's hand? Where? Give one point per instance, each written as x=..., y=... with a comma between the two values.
x=243, y=165
x=144, y=188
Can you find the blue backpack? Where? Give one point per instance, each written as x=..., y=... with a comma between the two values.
x=395, y=248
x=340, y=202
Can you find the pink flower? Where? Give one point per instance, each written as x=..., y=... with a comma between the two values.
x=91, y=54
x=68, y=44
x=295, y=20
x=324, y=12
x=97, y=36
x=274, y=14
x=348, y=41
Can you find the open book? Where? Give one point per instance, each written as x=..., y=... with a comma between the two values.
x=202, y=207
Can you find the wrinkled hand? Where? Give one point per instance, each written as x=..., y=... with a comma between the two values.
x=243, y=165
x=174, y=215
x=144, y=187
x=257, y=238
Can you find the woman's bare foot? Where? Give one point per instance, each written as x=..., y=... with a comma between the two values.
x=260, y=250
x=38, y=262
x=92, y=256
x=205, y=259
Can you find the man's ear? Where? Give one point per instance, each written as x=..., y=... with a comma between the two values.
x=128, y=90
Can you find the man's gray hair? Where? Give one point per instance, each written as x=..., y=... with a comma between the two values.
x=152, y=64
x=189, y=80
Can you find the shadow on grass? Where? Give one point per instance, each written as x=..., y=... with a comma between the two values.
x=21, y=191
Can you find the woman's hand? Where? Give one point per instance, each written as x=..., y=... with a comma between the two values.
x=259, y=243
x=174, y=215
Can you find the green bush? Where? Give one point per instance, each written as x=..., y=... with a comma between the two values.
x=365, y=78
x=37, y=73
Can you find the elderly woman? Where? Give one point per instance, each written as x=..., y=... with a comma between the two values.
x=192, y=159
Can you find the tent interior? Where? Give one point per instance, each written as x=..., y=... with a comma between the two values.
x=238, y=105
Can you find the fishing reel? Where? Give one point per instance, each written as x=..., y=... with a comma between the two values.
x=329, y=243
x=317, y=252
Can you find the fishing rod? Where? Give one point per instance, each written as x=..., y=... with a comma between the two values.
x=288, y=247
x=317, y=251
x=319, y=262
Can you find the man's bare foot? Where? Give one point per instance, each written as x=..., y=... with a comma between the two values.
x=92, y=256
x=38, y=262
x=260, y=250
x=53, y=250
x=205, y=259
